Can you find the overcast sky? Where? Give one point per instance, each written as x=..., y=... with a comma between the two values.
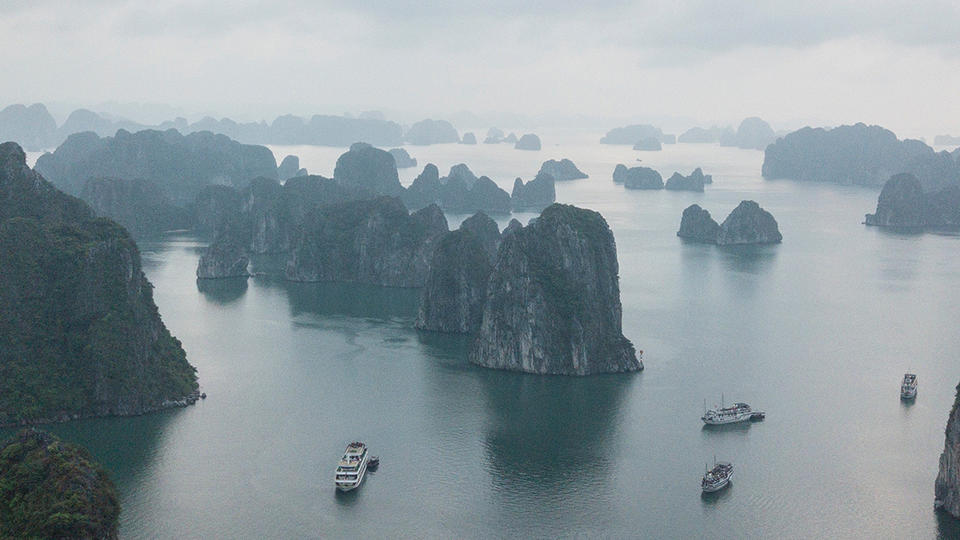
x=893, y=63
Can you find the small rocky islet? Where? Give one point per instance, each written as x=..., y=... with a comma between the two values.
x=747, y=224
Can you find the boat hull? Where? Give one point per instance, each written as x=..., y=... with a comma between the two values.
x=713, y=488
x=728, y=420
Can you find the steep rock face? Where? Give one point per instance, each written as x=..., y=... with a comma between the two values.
x=179, y=165
x=402, y=158
x=432, y=132
x=494, y=136
x=80, y=334
x=947, y=487
x=642, y=178
x=553, y=300
x=632, y=134
x=620, y=173
x=469, y=138
x=749, y=224
x=649, y=144
x=562, y=170
x=138, y=205
x=227, y=255
x=699, y=135
x=697, y=225
x=215, y=204
x=53, y=489
x=536, y=194
x=462, y=191
x=288, y=168
x=486, y=231
x=754, y=133
x=511, y=228
x=678, y=182
x=858, y=154
x=367, y=241
x=528, y=141
x=32, y=126
x=463, y=174
x=453, y=296
x=368, y=168
x=901, y=203
x=425, y=189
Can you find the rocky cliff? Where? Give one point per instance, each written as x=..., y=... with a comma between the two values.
x=431, y=132
x=402, y=158
x=372, y=241
x=455, y=290
x=32, y=126
x=138, y=205
x=749, y=224
x=903, y=203
x=528, y=141
x=679, y=182
x=639, y=178
x=754, y=133
x=80, y=334
x=215, y=204
x=697, y=225
x=536, y=194
x=179, y=165
x=289, y=168
x=469, y=138
x=486, y=231
x=553, y=299
x=226, y=256
x=562, y=170
x=53, y=489
x=460, y=191
x=425, y=189
x=859, y=155
x=368, y=168
x=947, y=487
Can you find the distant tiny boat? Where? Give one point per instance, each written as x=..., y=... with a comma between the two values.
x=352, y=466
x=717, y=478
x=373, y=463
x=908, y=388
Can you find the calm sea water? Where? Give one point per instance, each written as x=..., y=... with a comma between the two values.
x=817, y=331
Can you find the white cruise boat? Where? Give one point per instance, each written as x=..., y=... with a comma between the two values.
x=739, y=412
x=717, y=478
x=352, y=466
x=908, y=388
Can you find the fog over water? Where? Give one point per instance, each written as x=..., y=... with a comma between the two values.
x=894, y=63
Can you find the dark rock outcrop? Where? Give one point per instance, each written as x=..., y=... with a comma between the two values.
x=53, y=489
x=454, y=293
x=372, y=241
x=528, y=141
x=536, y=194
x=649, y=144
x=620, y=173
x=469, y=138
x=904, y=204
x=459, y=191
x=694, y=182
x=698, y=226
x=227, y=256
x=858, y=154
x=289, y=168
x=754, y=133
x=215, y=205
x=553, y=300
x=432, y=132
x=179, y=165
x=749, y=224
x=368, y=168
x=511, y=228
x=138, y=205
x=402, y=158
x=32, y=126
x=947, y=487
x=425, y=189
x=486, y=231
x=80, y=334
x=639, y=178
x=562, y=170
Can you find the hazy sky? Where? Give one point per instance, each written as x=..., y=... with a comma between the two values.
x=895, y=63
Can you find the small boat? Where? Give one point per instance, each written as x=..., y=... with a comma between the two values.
x=908, y=388
x=352, y=466
x=739, y=412
x=717, y=478
x=373, y=463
